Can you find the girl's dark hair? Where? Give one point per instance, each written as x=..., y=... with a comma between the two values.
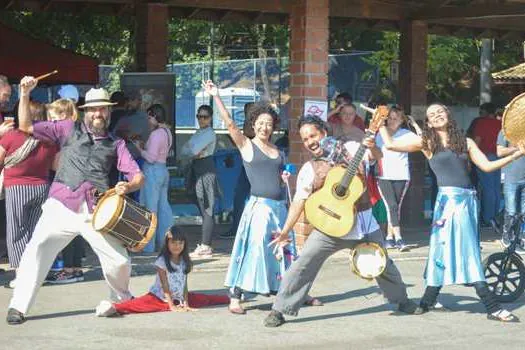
x=259, y=108
x=207, y=109
x=176, y=235
x=312, y=120
x=158, y=112
x=457, y=142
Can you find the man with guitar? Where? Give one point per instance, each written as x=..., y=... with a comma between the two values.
x=362, y=226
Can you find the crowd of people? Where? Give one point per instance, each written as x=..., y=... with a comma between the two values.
x=58, y=158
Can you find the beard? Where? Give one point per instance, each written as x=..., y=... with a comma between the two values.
x=98, y=127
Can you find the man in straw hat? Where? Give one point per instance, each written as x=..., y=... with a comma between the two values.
x=88, y=153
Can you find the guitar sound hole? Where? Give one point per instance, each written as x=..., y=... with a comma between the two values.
x=340, y=191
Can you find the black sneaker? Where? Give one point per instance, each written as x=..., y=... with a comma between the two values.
x=14, y=317
x=401, y=245
x=420, y=310
x=274, y=319
x=407, y=307
x=61, y=277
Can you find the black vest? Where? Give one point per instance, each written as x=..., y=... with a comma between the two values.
x=84, y=159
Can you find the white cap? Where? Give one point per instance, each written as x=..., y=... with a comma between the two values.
x=69, y=92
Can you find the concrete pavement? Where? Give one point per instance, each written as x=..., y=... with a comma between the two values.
x=354, y=315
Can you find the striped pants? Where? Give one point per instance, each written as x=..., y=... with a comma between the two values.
x=23, y=209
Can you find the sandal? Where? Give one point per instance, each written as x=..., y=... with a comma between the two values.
x=503, y=316
x=311, y=301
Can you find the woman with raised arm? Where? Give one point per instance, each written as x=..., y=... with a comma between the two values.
x=454, y=251
x=254, y=266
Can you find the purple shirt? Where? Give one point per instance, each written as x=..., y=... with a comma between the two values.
x=58, y=132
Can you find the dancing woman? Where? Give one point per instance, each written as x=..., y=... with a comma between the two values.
x=454, y=254
x=253, y=266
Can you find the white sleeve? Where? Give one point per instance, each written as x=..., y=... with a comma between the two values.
x=160, y=263
x=305, y=182
x=352, y=147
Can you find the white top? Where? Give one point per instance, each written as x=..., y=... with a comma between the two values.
x=394, y=165
x=201, y=144
x=365, y=222
x=176, y=280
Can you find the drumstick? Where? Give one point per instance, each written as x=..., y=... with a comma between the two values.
x=43, y=76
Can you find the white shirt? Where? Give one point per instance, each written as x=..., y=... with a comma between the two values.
x=176, y=280
x=394, y=165
x=201, y=144
x=365, y=222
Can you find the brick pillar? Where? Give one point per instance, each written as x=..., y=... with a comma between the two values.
x=309, y=26
x=308, y=64
x=413, y=97
x=151, y=37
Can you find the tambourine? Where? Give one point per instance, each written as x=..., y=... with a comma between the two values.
x=513, y=123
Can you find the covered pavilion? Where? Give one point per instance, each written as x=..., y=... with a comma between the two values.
x=310, y=22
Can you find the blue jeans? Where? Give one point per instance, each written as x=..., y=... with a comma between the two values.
x=154, y=196
x=490, y=192
x=514, y=194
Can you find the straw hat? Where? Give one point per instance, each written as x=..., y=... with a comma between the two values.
x=97, y=98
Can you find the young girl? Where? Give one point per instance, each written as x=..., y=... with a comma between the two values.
x=170, y=290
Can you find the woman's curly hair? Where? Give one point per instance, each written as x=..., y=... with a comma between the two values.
x=457, y=142
x=259, y=108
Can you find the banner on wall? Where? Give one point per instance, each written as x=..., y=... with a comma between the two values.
x=317, y=108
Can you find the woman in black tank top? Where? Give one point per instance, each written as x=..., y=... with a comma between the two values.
x=455, y=213
x=254, y=266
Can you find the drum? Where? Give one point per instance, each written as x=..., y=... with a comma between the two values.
x=368, y=260
x=125, y=220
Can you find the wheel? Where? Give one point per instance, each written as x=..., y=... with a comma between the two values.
x=507, y=283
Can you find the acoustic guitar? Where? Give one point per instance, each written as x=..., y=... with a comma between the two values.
x=331, y=209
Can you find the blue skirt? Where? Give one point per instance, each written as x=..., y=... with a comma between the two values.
x=255, y=267
x=454, y=255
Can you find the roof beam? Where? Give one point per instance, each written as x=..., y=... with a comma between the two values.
x=486, y=11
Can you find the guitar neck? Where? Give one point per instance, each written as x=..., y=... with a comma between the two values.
x=354, y=163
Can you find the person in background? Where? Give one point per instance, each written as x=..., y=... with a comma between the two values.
x=393, y=175
x=154, y=194
x=346, y=130
x=485, y=134
x=26, y=163
x=242, y=189
x=5, y=96
x=170, y=290
x=119, y=110
x=71, y=255
x=513, y=190
x=334, y=116
x=200, y=148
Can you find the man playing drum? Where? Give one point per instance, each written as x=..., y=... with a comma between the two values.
x=87, y=155
x=299, y=278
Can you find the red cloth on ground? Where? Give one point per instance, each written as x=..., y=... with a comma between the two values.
x=150, y=303
x=487, y=129
x=34, y=170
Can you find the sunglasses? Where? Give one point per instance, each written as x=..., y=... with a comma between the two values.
x=202, y=116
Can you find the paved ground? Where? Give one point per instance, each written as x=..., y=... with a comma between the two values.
x=354, y=315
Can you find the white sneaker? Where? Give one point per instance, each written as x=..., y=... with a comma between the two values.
x=202, y=251
x=105, y=309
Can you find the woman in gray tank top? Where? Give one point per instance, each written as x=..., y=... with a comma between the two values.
x=454, y=252
x=254, y=267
